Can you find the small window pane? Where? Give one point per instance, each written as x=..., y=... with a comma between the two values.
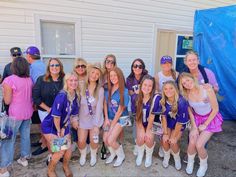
x=58, y=38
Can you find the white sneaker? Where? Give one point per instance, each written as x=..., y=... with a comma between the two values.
x=24, y=163
x=6, y=174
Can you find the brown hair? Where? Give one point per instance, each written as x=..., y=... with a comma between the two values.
x=121, y=83
x=190, y=52
x=164, y=99
x=139, y=105
x=20, y=67
x=48, y=76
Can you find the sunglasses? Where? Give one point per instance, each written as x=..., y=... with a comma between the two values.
x=54, y=65
x=80, y=66
x=138, y=66
x=16, y=55
x=110, y=61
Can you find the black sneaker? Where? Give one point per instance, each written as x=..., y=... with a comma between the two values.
x=39, y=151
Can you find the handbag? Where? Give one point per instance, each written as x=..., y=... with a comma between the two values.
x=59, y=144
x=7, y=125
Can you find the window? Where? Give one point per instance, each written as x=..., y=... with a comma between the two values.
x=57, y=38
x=184, y=43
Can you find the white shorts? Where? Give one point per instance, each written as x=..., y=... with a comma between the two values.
x=42, y=115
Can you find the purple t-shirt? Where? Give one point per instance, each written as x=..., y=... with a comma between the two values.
x=133, y=84
x=181, y=116
x=60, y=108
x=211, y=77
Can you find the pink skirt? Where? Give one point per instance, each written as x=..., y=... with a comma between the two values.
x=215, y=124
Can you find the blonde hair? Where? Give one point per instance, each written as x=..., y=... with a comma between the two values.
x=164, y=99
x=98, y=85
x=182, y=89
x=66, y=89
x=190, y=52
x=77, y=61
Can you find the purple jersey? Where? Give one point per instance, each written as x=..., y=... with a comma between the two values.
x=60, y=108
x=181, y=116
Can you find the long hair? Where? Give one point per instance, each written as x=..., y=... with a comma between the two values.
x=66, y=89
x=121, y=82
x=144, y=71
x=139, y=105
x=48, y=76
x=20, y=67
x=164, y=99
x=104, y=62
x=98, y=82
x=182, y=89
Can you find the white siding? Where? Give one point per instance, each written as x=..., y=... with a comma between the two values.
x=122, y=27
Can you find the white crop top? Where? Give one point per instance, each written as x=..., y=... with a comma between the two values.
x=202, y=107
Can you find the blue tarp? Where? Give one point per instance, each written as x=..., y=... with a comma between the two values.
x=215, y=41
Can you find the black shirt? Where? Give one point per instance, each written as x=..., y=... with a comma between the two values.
x=46, y=91
x=7, y=71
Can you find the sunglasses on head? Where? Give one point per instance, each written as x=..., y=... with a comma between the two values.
x=110, y=61
x=54, y=65
x=138, y=66
x=80, y=66
x=16, y=55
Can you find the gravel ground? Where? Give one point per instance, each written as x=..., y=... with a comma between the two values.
x=221, y=149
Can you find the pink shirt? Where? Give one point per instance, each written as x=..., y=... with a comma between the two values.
x=21, y=106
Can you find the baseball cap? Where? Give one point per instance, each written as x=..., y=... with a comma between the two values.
x=15, y=51
x=32, y=50
x=166, y=59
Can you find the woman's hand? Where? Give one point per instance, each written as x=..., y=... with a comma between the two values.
x=165, y=138
x=106, y=123
x=202, y=127
x=62, y=132
x=75, y=124
x=173, y=140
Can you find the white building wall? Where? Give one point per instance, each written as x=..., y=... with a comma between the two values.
x=121, y=27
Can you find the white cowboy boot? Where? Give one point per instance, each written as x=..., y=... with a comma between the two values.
x=120, y=156
x=149, y=151
x=165, y=162
x=177, y=160
x=140, y=154
x=189, y=168
x=82, y=159
x=203, y=167
x=93, y=154
x=112, y=155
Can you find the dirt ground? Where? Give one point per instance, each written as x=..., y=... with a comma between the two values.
x=221, y=149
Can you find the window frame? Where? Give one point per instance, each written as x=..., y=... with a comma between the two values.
x=58, y=19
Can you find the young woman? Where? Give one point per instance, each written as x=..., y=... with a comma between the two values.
x=133, y=83
x=201, y=74
x=145, y=137
x=205, y=120
x=80, y=68
x=167, y=72
x=57, y=123
x=115, y=106
x=108, y=65
x=175, y=111
x=17, y=89
x=133, y=80
x=44, y=92
x=91, y=113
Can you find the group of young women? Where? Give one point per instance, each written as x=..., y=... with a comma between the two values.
x=94, y=100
